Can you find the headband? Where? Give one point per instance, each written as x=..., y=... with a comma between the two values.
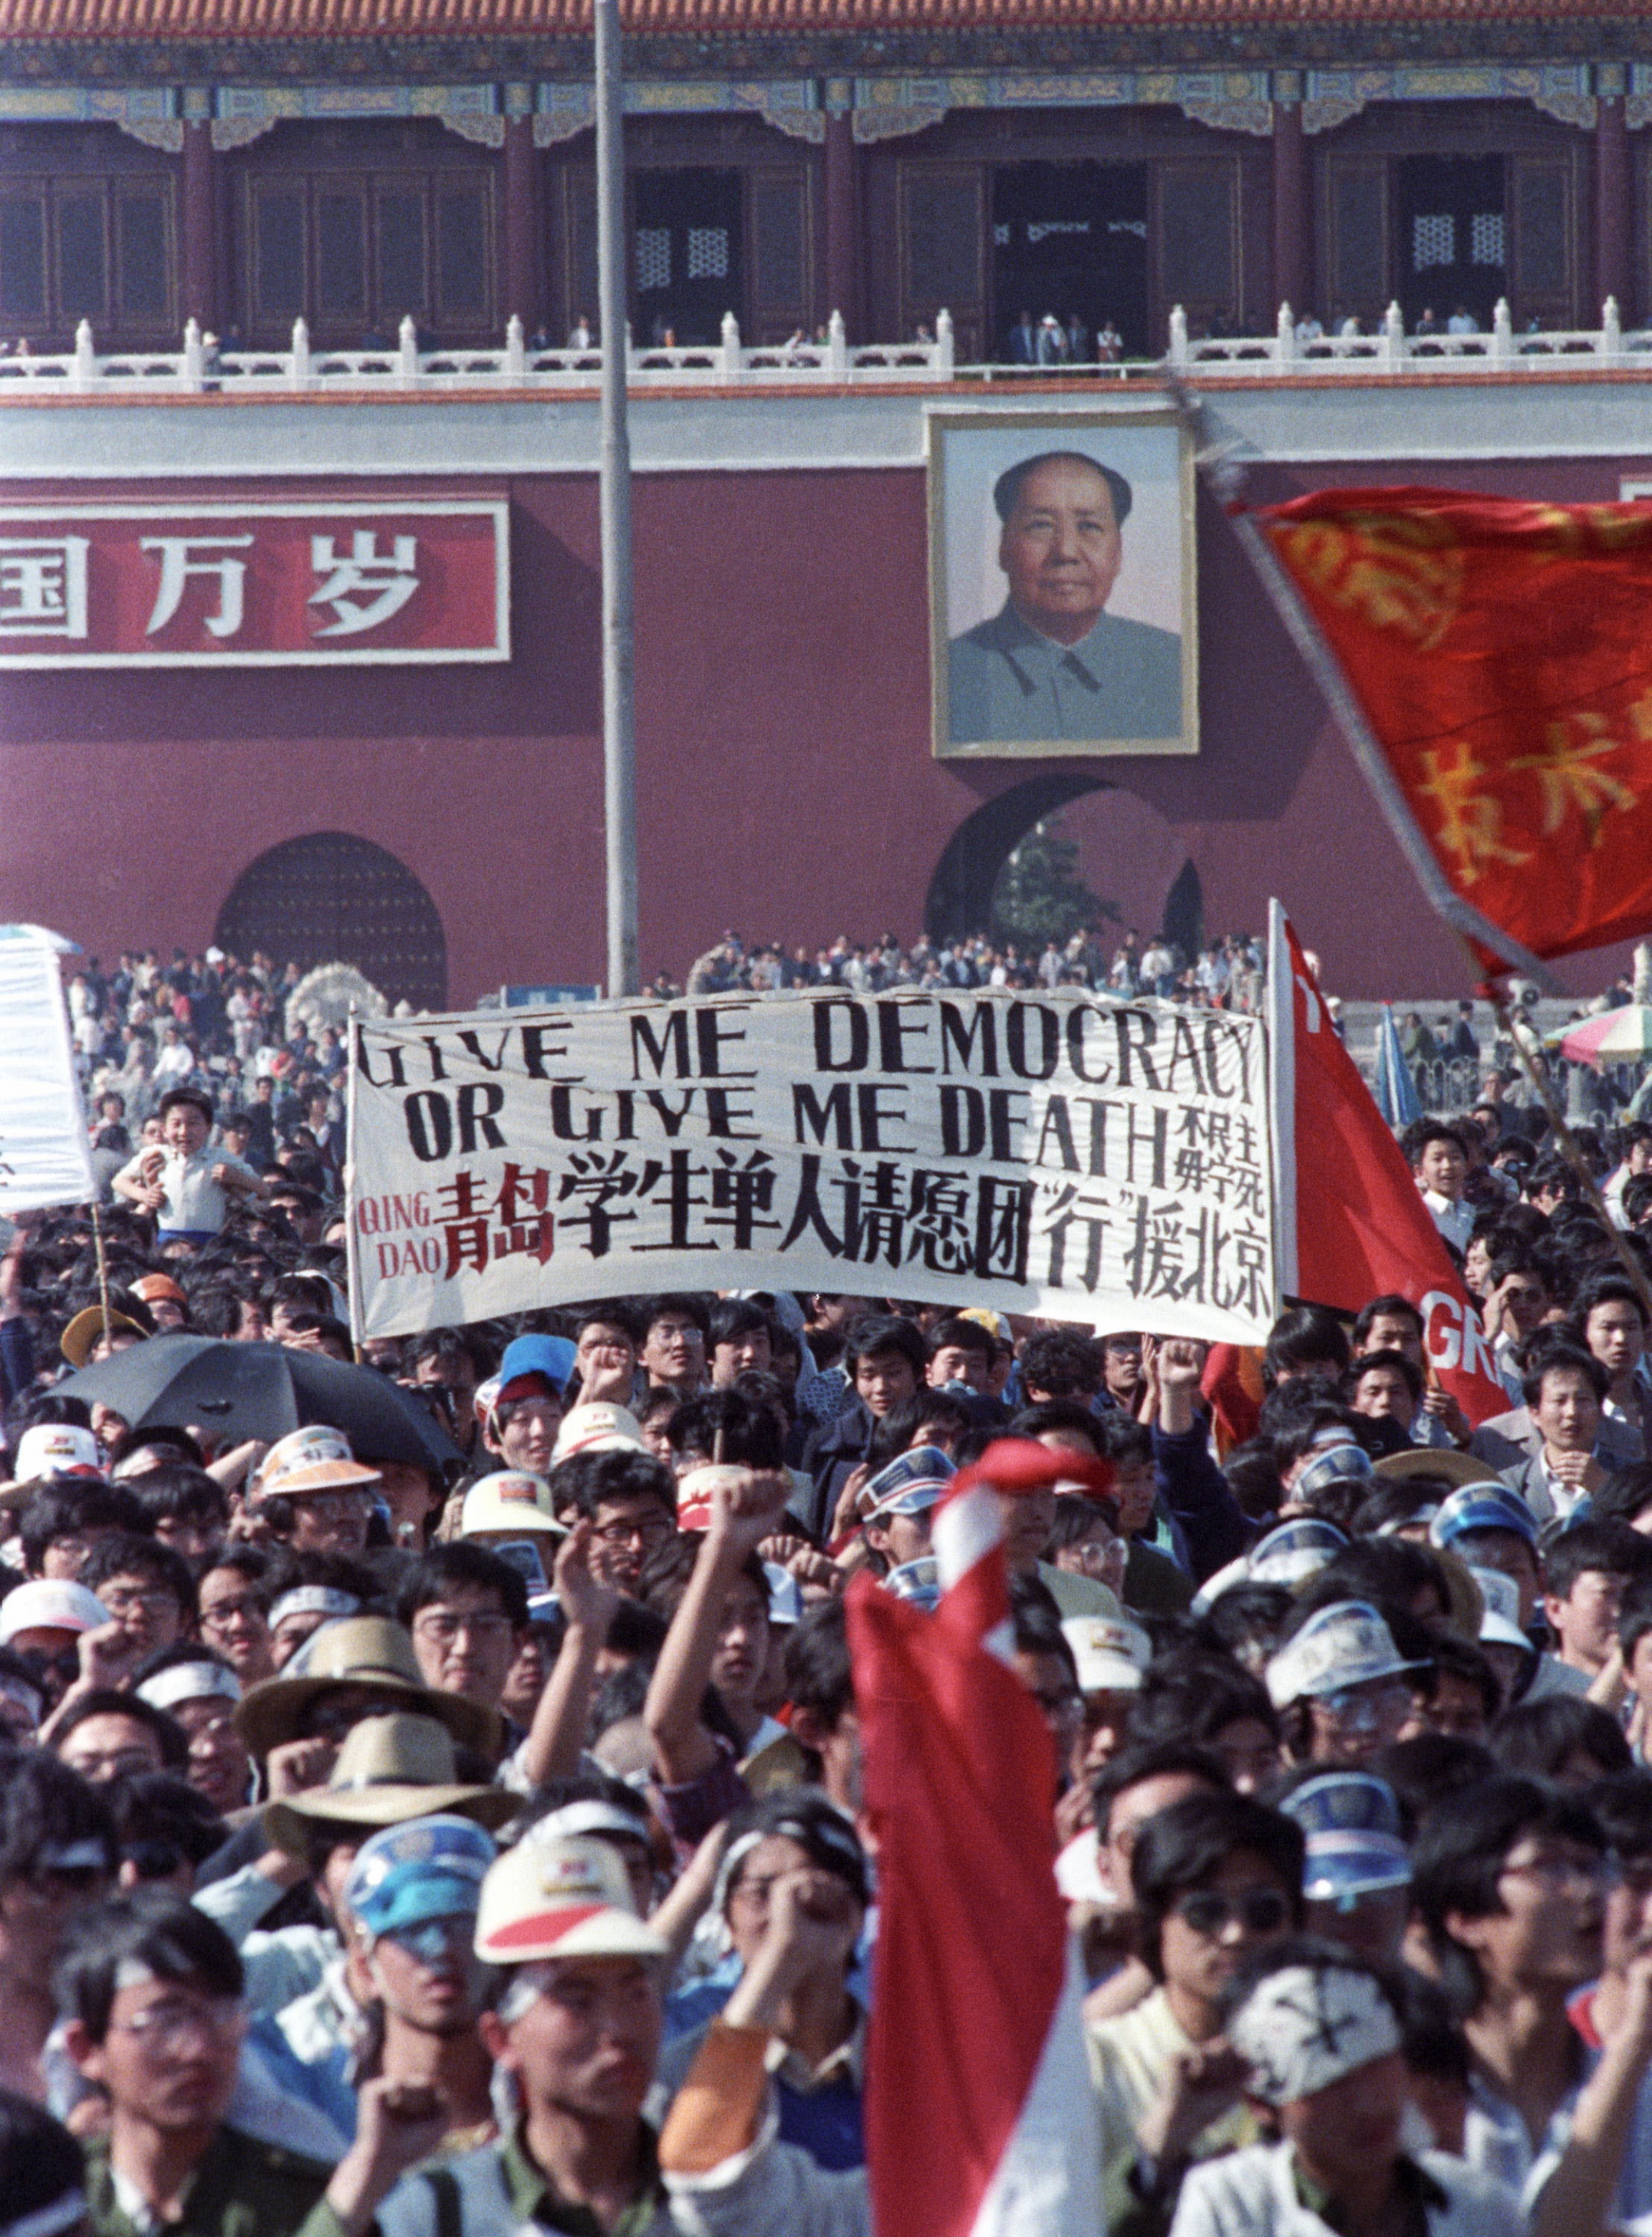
x=313, y=1599
x=47, y=2220
x=1305, y=2027
x=189, y=1681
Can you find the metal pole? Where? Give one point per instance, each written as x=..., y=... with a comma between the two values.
x=619, y=731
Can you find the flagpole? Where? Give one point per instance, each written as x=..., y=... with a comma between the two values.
x=1280, y=1000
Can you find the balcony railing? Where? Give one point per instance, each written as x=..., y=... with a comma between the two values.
x=201, y=365
x=1285, y=355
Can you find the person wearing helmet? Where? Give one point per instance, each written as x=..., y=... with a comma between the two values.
x=407, y=1913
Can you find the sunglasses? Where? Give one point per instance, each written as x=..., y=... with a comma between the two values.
x=1259, y=1911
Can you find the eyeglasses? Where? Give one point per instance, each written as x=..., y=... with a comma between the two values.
x=432, y=1939
x=166, y=2026
x=128, y=1603
x=334, y=1506
x=1589, y=1872
x=443, y=1625
x=222, y=1613
x=1363, y=1706
x=652, y=1532
x=1259, y=1911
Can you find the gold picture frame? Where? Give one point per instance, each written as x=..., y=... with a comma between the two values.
x=1130, y=675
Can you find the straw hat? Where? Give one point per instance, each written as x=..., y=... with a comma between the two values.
x=362, y=1650
x=389, y=1768
x=91, y=1323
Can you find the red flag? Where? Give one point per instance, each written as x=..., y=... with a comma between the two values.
x=980, y=2115
x=1500, y=667
x=1352, y=1226
x=1232, y=1386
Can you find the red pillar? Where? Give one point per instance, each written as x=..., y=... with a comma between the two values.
x=1290, y=208
x=1611, y=206
x=200, y=223
x=519, y=263
x=842, y=211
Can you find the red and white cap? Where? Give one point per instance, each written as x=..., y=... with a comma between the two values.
x=57, y=1448
x=313, y=1459
x=564, y=1897
x=694, y=1489
x=598, y=1428
x=51, y=1604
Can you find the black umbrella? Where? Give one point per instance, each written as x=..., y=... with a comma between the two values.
x=235, y=1391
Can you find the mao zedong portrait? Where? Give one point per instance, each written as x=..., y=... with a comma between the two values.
x=1053, y=663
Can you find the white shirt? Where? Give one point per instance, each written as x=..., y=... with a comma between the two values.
x=194, y=1201
x=1252, y=2193
x=1454, y=1221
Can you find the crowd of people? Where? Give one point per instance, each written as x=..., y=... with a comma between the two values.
x=431, y=1846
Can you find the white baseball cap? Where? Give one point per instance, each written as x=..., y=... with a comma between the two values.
x=566, y=1896
x=1347, y=1644
x=57, y=1448
x=1111, y=1654
x=509, y=1499
x=598, y=1428
x=51, y=1604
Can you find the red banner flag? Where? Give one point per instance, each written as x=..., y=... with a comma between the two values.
x=1352, y=1225
x=980, y=2114
x=1496, y=656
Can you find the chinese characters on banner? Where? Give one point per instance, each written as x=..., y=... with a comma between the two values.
x=43, y=1151
x=252, y=584
x=1093, y=1161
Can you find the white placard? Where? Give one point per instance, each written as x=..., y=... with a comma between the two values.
x=43, y=1152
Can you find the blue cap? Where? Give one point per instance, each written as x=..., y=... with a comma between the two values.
x=1354, y=1843
x=426, y=1868
x=1339, y=1463
x=1293, y=1551
x=920, y=1581
x=1482, y=1506
x=551, y=1357
x=914, y=1481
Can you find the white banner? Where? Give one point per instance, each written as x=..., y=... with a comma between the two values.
x=1056, y=1154
x=44, y=1158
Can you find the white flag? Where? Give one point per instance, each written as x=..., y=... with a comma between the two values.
x=43, y=1151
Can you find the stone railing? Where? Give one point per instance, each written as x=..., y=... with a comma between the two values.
x=1284, y=352
x=201, y=365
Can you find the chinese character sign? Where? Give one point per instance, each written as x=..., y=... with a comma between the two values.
x=1499, y=652
x=254, y=584
x=44, y=1155
x=1094, y=1161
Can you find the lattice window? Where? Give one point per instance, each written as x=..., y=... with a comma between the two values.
x=1486, y=244
x=708, y=252
x=653, y=256
x=1433, y=240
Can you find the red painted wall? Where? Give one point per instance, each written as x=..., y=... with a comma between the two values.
x=786, y=781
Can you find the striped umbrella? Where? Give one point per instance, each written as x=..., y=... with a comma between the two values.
x=1620, y=1036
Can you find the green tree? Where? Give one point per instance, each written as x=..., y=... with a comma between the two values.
x=1039, y=895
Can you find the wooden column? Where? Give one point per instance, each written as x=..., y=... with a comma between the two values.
x=843, y=273
x=198, y=277
x=1290, y=198
x=519, y=264
x=1612, y=273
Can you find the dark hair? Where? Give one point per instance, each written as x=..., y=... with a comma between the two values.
x=1622, y=1807
x=1539, y=1737
x=1062, y=1362
x=1607, y=1288
x=1194, y=1698
x=585, y=1480
x=1563, y=1355
x=174, y=1492
x=819, y=1827
x=195, y=1096
x=1608, y=1545
x=68, y=1507
x=900, y=1425
x=1397, y=1498
x=1076, y=1515
x=1627, y=1492
x=681, y=1304
x=124, y=1553
x=1006, y=491
x=44, y=1804
x=818, y=1674
x=163, y=1438
x=598, y=1786
x=1067, y=1414
x=1138, y=1762
x=876, y=1332
x=665, y=1574
x=40, y=2161
x=1458, y=1859
x=151, y=1927
x=1302, y=1336
x=956, y=1333
x=1292, y=1426
x=635, y=1633
x=1379, y=1570
x=1431, y=2042
x=106, y=1701
x=1037, y=1625
x=1186, y=1845
x=154, y=1811
x=736, y=1316
x=1421, y=1131
x=1120, y=1438
x=460, y=1561
x=1366, y=1362
x=1635, y=1617
x=1386, y=1307
x=1457, y=1657
x=750, y=1434
x=1432, y=1767
x=1244, y=1615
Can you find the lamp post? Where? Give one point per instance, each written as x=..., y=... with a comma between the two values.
x=619, y=719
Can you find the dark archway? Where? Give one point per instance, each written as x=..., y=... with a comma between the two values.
x=1184, y=912
x=332, y=898
x=960, y=892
